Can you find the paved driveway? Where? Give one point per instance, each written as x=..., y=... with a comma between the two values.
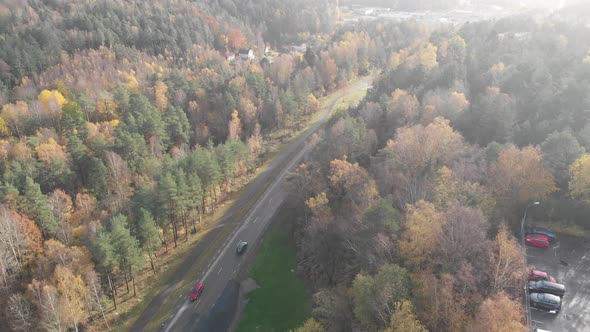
x=569, y=261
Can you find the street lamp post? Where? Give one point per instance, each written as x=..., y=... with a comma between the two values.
x=524, y=219
x=526, y=288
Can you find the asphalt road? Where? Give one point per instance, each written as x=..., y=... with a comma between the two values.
x=225, y=264
x=569, y=261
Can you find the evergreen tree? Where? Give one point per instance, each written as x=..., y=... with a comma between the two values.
x=106, y=258
x=149, y=235
x=177, y=125
x=36, y=207
x=182, y=200
x=126, y=248
x=133, y=149
x=167, y=204
x=97, y=178
x=195, y=196
x=72, y=117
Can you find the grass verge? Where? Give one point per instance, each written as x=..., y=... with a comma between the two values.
x=129, y=312
x=280, y=303
x=350, y=100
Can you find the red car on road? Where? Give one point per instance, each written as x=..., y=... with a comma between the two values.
x=537, y=240
x=538, y=275
x=196, y=291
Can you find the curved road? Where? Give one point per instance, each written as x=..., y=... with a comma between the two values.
x=225, y=265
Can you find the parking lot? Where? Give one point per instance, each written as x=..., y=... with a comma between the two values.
x=568, y=260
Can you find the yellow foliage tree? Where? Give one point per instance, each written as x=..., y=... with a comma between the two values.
x=72, y=297
x=508, y=263
x=50, y=151
x=580, y=178
x=4, y=129
x=423, y=228
x=161, y=95
x=404, y=105
x=51, y=100
x=313, y=104
x=499, y=314
x=131, y=81
x=404, y=319
x=14, y=116
x=235, y=127
x=319, y=208
x=520, y=175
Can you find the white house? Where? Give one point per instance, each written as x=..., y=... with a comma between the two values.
x=246, y=54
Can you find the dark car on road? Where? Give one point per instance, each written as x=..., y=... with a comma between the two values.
x=551, y=236
x=196, y=291
x=546, y=287
x=242, y=245
x=544, y=301
x=536, y=275
x=537, y=240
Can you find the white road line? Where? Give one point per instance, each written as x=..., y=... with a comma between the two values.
x=256, y=220
x=278, y=181
x=176, y=316
x=537, y=322
x=218, y=272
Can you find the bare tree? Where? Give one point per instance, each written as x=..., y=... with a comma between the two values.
x=47, y=301
x=463, y=237
x=61, y=207
x=508, y=263
x=12, y=245
x=118, y=180
x=19, y=313
x=95, y=295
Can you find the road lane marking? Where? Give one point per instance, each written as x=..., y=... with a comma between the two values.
x=538, y=322
x=256, y=220
x=276, y=183
x=219, y=270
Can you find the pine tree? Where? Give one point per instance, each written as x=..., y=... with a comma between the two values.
x=149, y=235
x=195, y=196
x=182, y=201
x=126, y=248
x=37, y=208
x=167, y=203
x=104, y=254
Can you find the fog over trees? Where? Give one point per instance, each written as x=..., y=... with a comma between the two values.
x=125, y=124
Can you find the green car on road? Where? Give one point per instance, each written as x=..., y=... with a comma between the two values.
x=242, y=245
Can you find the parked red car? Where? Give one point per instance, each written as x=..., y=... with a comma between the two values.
x=196, y=291
x=537, y=240
x=538, y=275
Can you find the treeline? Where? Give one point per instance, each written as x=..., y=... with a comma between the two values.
x=406, y=4
x=411, y=199
x=35, y=34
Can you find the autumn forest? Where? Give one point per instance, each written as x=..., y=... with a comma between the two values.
x=125, y=124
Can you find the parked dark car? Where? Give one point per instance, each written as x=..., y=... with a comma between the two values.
x=544, y=301
x=551, y=236
x=546, y=287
